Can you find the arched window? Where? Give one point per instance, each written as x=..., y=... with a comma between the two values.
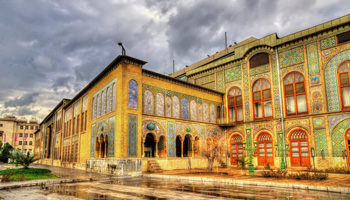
x=148, y=102
x=295, y=95
x=262, y=99
x=193, y=110
x=98, y=113
x=184, y=109
x=344, y=84
x=160, y=104
x=113, y=96
x=235, y=105
x=176, y=107
x=168, y=106
x=212, y=114
x=259, y=60
x=93, y=108
x=132, y=94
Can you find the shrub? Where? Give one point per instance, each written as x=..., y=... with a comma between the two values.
x=337, y=169
x=267, y=166
x=275, y=174
x=242, y=162
x=26, y=160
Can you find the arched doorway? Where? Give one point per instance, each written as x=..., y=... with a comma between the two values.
x=299, y=148
x=196, y=146
x=347, y=139
x=236, y=150
x=102, y=146
x=187, y=146
x=150, y=146
x=178, y=146
x=162, y=147
x=265, y=149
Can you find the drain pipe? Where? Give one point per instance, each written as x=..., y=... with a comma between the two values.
x=281, y=107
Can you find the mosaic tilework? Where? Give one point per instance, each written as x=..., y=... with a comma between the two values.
x=233, y=74
x=212, y=114
x=334, y=119
x=329, y=53
x=312, y=59
x=317, y=102
x=205, y=79
x=159, y=129
x=205, y=112
x=328, y=42
x=160, y=104
x=219, y=81
x=284, y=71
x=315, y=80
x=184, y=108
x=209, y=85
x=276, y=96
x=171, y=139
x=259, y=70
x=246, y=92
x=321, y=142
x=92, y=143
x=193, y=110
x=203, y=134
x=332, y=81
x=338, y=140
x=168, y=106
x=132, y=135
x=200, y=114
x=291, y=57
x=111, y=137
x=132, y=94
x=148, y=102
x=176, y=107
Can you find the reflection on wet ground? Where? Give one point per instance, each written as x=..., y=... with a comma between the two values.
x=148, y=188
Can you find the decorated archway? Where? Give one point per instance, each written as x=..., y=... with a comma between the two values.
x=236, y=148
x=299, y=148
x=265, y=149
x=150, y=146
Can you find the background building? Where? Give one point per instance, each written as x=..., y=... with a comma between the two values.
x=292, y=90
x=18, y=132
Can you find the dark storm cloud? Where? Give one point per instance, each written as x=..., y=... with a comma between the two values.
x=22, y=101
x=54, y=48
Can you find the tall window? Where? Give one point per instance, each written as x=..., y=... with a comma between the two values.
x=235, y=105
x=132, y=94
x=295, y=95
x=262, y=99
x=344, y=84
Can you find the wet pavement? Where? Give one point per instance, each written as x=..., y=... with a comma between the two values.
x=150, y=188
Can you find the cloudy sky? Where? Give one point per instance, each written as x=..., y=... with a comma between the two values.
x=50, y=50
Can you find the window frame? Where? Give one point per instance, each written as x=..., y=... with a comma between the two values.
x=262, y=100
x=234, y=104
x=341, y=86
x=295, y=95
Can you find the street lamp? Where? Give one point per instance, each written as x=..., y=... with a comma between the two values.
x=247, y=147
x=123, y=49
x=281, y=149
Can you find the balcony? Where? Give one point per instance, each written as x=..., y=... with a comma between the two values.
x=225, y=122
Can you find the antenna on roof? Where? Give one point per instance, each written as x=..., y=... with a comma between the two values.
x=225, y=40
x=173, y=66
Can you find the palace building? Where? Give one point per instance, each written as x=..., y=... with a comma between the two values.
x=266, y=92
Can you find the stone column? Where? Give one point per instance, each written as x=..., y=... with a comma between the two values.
x=157, y=156
x=192, y=147
x=143, y=147
x=182, y=148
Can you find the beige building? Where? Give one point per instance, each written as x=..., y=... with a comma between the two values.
x=18, y=132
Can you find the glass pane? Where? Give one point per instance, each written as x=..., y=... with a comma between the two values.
x=256, y=96
x=346, y=96
x=240, y=150
x=262, y=155
x=258, y=110
x=267, y=94
x=240, y=113
x=268, y=108
x=268, y=144
x=290, y=105
x=303, y=143
x=261, y=150
x=288, y=89
x=261, y=145
x=344, y=79
x=295, y=149
x=240, y=146
x=239, y=100
x=240, y=155
x=304, y=154
x=303, y=149
x=301, y=99
x=233, y=150
x=230, y=102
x=294, y=143
x=232, y=114
x=295, y=154
x=269, y=150
x=234, y=155
x=233, y=146
x=299, y=87
x=269, y=155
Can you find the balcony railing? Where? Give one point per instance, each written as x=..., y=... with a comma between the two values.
x=225, y=122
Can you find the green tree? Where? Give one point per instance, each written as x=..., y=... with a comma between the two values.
x=5, y=152
x=26, y=160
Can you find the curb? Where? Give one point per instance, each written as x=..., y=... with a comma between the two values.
x=254, y=183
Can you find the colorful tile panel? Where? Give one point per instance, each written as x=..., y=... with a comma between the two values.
x=276, y=96
x=321, y=142
x=327, y=43
x=171, y=139
x=259, y=70
x=111, y=137
x=233, y=74
x=219, y=81
x=246, y=92
x=338, y=137
x=132, y=135
x=132, y=94
x=312, y=59
x=331, y=80
x=291, y=57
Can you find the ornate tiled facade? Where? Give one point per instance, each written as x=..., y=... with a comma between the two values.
x=132, y=135
x=232, y=74
x=338, y=136
x=291, y=57
x=327, y=43
x=321, y=142
x=312, y=59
